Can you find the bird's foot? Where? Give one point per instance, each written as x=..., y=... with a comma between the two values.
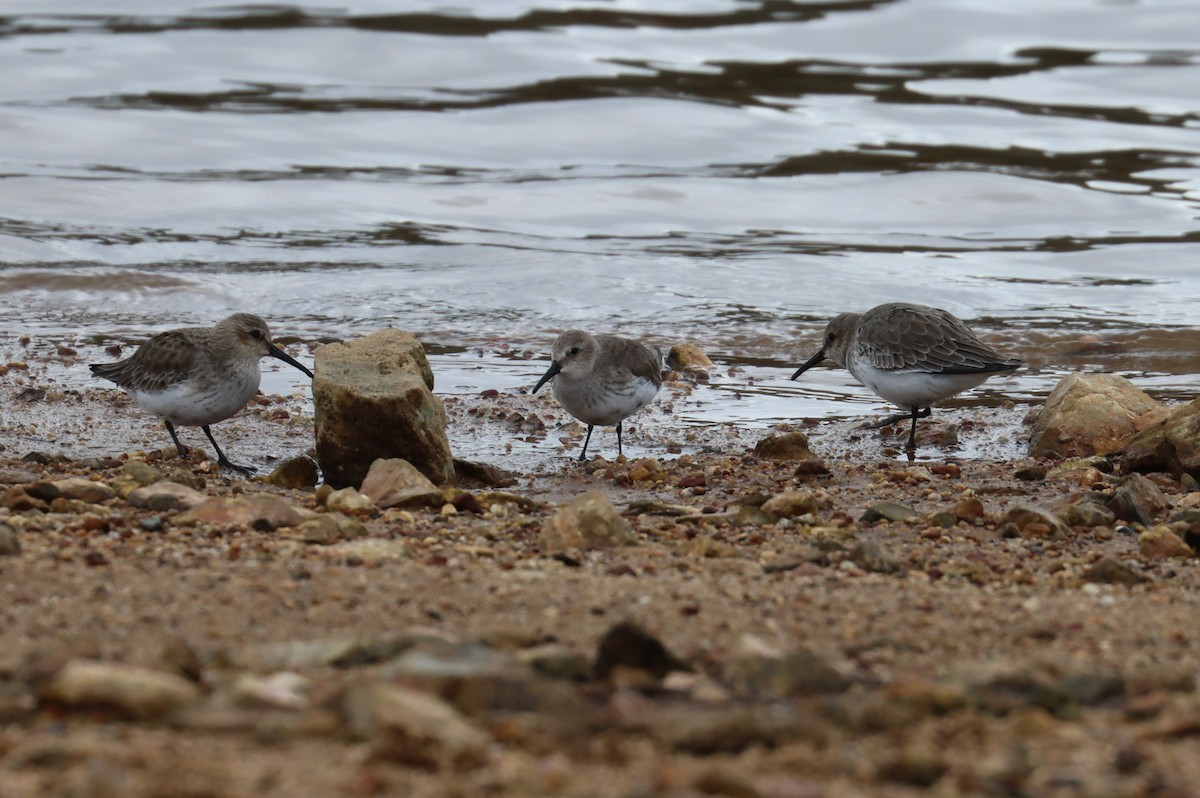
x=245, y=471
x=887, y=421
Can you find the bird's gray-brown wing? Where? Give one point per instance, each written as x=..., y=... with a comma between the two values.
x=632, y=359
x=903, y=337
x=164, y=360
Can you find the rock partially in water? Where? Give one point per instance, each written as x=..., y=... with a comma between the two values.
x=688, y=357
x=1090, y=414
x=589, y=522
x=1172, y=444
x=374, y=399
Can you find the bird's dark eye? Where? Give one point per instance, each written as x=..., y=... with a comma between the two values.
x=573, y=350
x=256, y=334
x=830, y=337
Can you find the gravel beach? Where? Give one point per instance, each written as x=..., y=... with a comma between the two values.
x=733, y=620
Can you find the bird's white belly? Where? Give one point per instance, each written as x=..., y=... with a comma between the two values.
x=909, y=389
x=189, y=403
x=604, y=404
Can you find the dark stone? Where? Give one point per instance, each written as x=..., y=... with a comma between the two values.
x=628, y=645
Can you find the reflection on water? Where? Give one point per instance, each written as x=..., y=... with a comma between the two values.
x=730, y=173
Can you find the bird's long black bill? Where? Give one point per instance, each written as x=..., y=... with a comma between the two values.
x=275, y=351
x=812, y=361
x=555, y=367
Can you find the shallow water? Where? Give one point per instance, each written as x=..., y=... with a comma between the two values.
x=486, y=174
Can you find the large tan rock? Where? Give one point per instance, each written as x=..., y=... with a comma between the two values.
x=413, y=728
x=260, y=511
x=126, y=689
x=374, y=399
x=1091, y=414
x=1172, y=444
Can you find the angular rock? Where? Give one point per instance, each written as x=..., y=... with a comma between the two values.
x=889, y=511
x=759, y=670
x=296, y=473
x=968, y=508
x=1112, y=571
x=1090, y=414
x=17, y=702
x=704, y=730
x=349, y=501
x=19, y=501
x=128, y=690
x=627, y=645
x=394, y=482
x=142, y=473
x=688, y=357
x=165, y=496
x=374, y=399
x=328, y=528
x=872, y=556
x=1034, y=522
x=1138, y=500
x=300, y=654
x=282, y=690
x=469, y=474
x=790, y=504
x=1160, y=543
x=1087, y=510
x=76, y=488
x=791, y=446
x=589, y=522
x=412, y=728
x=9, y=545
x=260, y=511
x=16, y=476
x=1172, y=444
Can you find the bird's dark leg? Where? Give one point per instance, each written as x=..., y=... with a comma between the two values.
x=912, y=435
x=222, y=460
x=183, y=452
x=583, y=454
x=619, y=452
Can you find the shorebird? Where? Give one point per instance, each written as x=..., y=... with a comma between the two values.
x=602, y=379
x=197, y=376
x=911, y=355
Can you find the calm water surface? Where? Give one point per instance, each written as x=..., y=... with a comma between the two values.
x=486, y=174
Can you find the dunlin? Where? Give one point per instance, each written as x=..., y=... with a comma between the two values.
x=912, y=355
x=602, y=379
x=197, y=376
